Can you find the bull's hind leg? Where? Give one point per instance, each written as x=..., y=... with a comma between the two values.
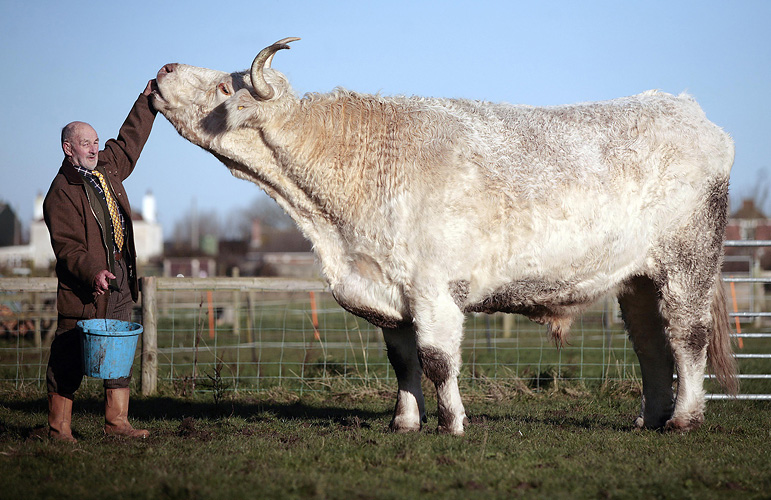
x=640, y=309
x=690, y=329
x=410, y=409
x=439, y=326
x=689, y=269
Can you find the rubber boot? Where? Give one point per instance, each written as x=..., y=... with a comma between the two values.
x=116, y=403
x=60, y=418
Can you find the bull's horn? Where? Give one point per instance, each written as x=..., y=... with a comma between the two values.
x=263, y=90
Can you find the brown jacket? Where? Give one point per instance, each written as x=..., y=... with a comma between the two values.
x=81, y=246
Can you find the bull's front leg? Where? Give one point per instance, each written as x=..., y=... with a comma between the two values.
x=439, y=327
x=410, y=410
x=690, y=353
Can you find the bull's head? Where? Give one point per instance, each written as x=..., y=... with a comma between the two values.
x=232, y=115
x=204, y=104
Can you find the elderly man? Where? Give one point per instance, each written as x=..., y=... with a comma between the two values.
x=88, y=216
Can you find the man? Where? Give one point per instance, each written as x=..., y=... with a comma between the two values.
x=88, y=216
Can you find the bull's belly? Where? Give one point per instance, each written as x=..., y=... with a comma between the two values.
x=541, y=301
x=533, y=298
x=551, y=276
x=546, y=293
x=384, y=304
x=553, y=303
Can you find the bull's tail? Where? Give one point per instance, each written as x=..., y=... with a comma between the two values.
x=720, y=356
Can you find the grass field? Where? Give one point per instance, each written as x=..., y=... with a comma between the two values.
x=566, y=443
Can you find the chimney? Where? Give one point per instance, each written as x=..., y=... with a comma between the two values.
x=256, y=241
x=37, y=208
x=148, y=207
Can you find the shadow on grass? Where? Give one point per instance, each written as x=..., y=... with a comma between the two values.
x=318, y=411
x=160, y=408
x=185, y=413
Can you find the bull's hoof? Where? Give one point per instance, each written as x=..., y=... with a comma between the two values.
x=651, y=422
x=446, y=430
x=455, y=430
x=684, y=424
x=403, y=426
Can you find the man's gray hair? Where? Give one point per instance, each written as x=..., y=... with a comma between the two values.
x=69, y=130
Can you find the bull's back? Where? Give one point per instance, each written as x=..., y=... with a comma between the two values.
x=582, y=193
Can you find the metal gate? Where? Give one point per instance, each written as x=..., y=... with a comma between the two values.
x=752, y=335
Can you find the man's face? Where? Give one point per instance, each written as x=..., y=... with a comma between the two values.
x=83, y=147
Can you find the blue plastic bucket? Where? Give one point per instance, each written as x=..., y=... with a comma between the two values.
x=108, y=347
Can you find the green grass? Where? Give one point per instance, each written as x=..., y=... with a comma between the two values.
x=566, y=443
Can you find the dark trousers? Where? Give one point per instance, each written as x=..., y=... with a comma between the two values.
x=65, y=363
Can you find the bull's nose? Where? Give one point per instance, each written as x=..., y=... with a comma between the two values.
x=165, y=70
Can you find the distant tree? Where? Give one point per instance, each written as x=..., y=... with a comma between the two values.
x=759, y=192
x=189, y=230
x=269, y=213
x=279, y=232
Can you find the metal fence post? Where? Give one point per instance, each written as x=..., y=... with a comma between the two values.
x=149, y=381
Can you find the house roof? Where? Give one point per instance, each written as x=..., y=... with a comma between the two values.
x=748, y=210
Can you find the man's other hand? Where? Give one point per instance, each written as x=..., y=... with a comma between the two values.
x=101, y=281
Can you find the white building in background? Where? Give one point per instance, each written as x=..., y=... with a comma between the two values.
x=148, y=207
x=148, y=234
x=39, y=240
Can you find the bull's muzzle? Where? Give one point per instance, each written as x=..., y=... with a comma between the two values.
x=165, y=70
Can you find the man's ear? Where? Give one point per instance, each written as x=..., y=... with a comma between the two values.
x=67, y=148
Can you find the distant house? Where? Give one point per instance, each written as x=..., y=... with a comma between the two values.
x=289, y=264
x=13, y=254
x=10, y=226
x=747, y=223
x=266, y=251
x=190, y=267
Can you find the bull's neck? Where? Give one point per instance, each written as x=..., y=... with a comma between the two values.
x=340, y=152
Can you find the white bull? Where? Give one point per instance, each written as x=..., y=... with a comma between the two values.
x=421, y=210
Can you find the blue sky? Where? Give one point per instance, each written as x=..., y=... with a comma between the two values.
x=66, y=61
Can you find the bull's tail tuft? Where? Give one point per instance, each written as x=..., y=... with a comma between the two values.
x=720, y=356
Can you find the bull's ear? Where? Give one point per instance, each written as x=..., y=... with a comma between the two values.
x=240, y=108
x=243, y=100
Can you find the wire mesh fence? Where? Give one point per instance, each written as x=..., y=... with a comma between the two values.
x=254, y=334
x=298, y=340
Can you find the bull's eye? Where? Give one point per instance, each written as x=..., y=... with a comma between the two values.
x=223, y=88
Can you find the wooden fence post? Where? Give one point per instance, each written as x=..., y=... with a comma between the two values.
x=36, y=308
x=149, y=381
x=236, y=308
